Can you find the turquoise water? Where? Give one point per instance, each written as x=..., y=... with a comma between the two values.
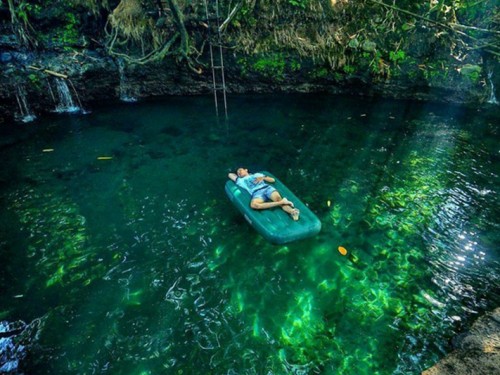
x=121, y=254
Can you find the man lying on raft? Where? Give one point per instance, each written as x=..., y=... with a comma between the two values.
x=264, y=196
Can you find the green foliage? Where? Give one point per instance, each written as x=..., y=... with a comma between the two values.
x=337, y=76
x=397, y=56
x=375, y=63
x=471, y=72
x=348, y=69
x=23, y=10
x=244, y=16
x=408, y=26
x=435, y=72
x=68, y=34
x=271, y=67
x=35, y=80
x=244, y=67
x=295, y=66
x=58, y=25
x=353, y=43
x=319, y=73
x=298, y=3
x=479, y=13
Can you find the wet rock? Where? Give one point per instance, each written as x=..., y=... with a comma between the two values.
x=96, y=78
x=8, y=41
x=476, y=352
x=10, y=351
x=5, y=57
x=21, y=57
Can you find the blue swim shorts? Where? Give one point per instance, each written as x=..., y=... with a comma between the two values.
x=264, y=194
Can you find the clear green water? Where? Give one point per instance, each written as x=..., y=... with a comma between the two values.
x=140, y=265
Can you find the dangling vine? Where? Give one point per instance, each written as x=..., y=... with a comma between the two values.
x=20, y=23
x=132, y=34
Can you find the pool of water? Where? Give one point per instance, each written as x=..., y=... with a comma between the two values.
x=121, y=254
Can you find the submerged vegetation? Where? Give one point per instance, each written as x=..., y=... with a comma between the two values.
x=381, y=211
x=126, y=263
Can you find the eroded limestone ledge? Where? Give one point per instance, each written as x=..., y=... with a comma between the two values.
x=477, y=352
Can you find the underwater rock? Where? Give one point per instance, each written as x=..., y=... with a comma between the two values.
x=476, y=352
x=11, y=352
x=8, y=41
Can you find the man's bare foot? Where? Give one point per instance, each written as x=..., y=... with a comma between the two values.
x=295, y=214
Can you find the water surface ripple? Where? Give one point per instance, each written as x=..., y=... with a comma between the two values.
x=120, y=253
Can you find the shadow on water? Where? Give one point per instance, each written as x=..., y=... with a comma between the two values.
x=122, y=254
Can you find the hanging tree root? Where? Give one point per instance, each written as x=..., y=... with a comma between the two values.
x=184, y=49
x=452, y=27
x=156, y=55
x=130, y=26
x=21, y=27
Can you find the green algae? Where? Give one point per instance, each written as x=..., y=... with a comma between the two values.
x=58, y=240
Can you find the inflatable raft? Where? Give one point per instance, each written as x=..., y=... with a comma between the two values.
x=274, y=224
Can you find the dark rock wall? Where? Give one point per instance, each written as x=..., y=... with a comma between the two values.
x=96, y=78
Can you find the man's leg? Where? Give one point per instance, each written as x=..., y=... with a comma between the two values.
x=293, y=212
x=260, y=204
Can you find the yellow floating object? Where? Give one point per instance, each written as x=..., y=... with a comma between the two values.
x=104, y=157
x=328, y=203
x=342, y=250
x=47, y=150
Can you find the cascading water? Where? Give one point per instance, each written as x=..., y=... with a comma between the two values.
x=66, y=103
x=25, y=114
x=492, y=99
x=125, y=89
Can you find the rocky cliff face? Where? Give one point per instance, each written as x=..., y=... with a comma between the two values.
x=477, y=352
x=100, y=50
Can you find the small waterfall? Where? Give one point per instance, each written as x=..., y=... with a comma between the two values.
x=125, y=89
x=66, y=103
x=25, y=114
x=492, y=99
x=77, y=97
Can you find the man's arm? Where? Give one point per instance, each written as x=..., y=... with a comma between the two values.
x=233, y=176
x=264, y=178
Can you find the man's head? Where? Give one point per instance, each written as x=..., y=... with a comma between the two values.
x=242, y=172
